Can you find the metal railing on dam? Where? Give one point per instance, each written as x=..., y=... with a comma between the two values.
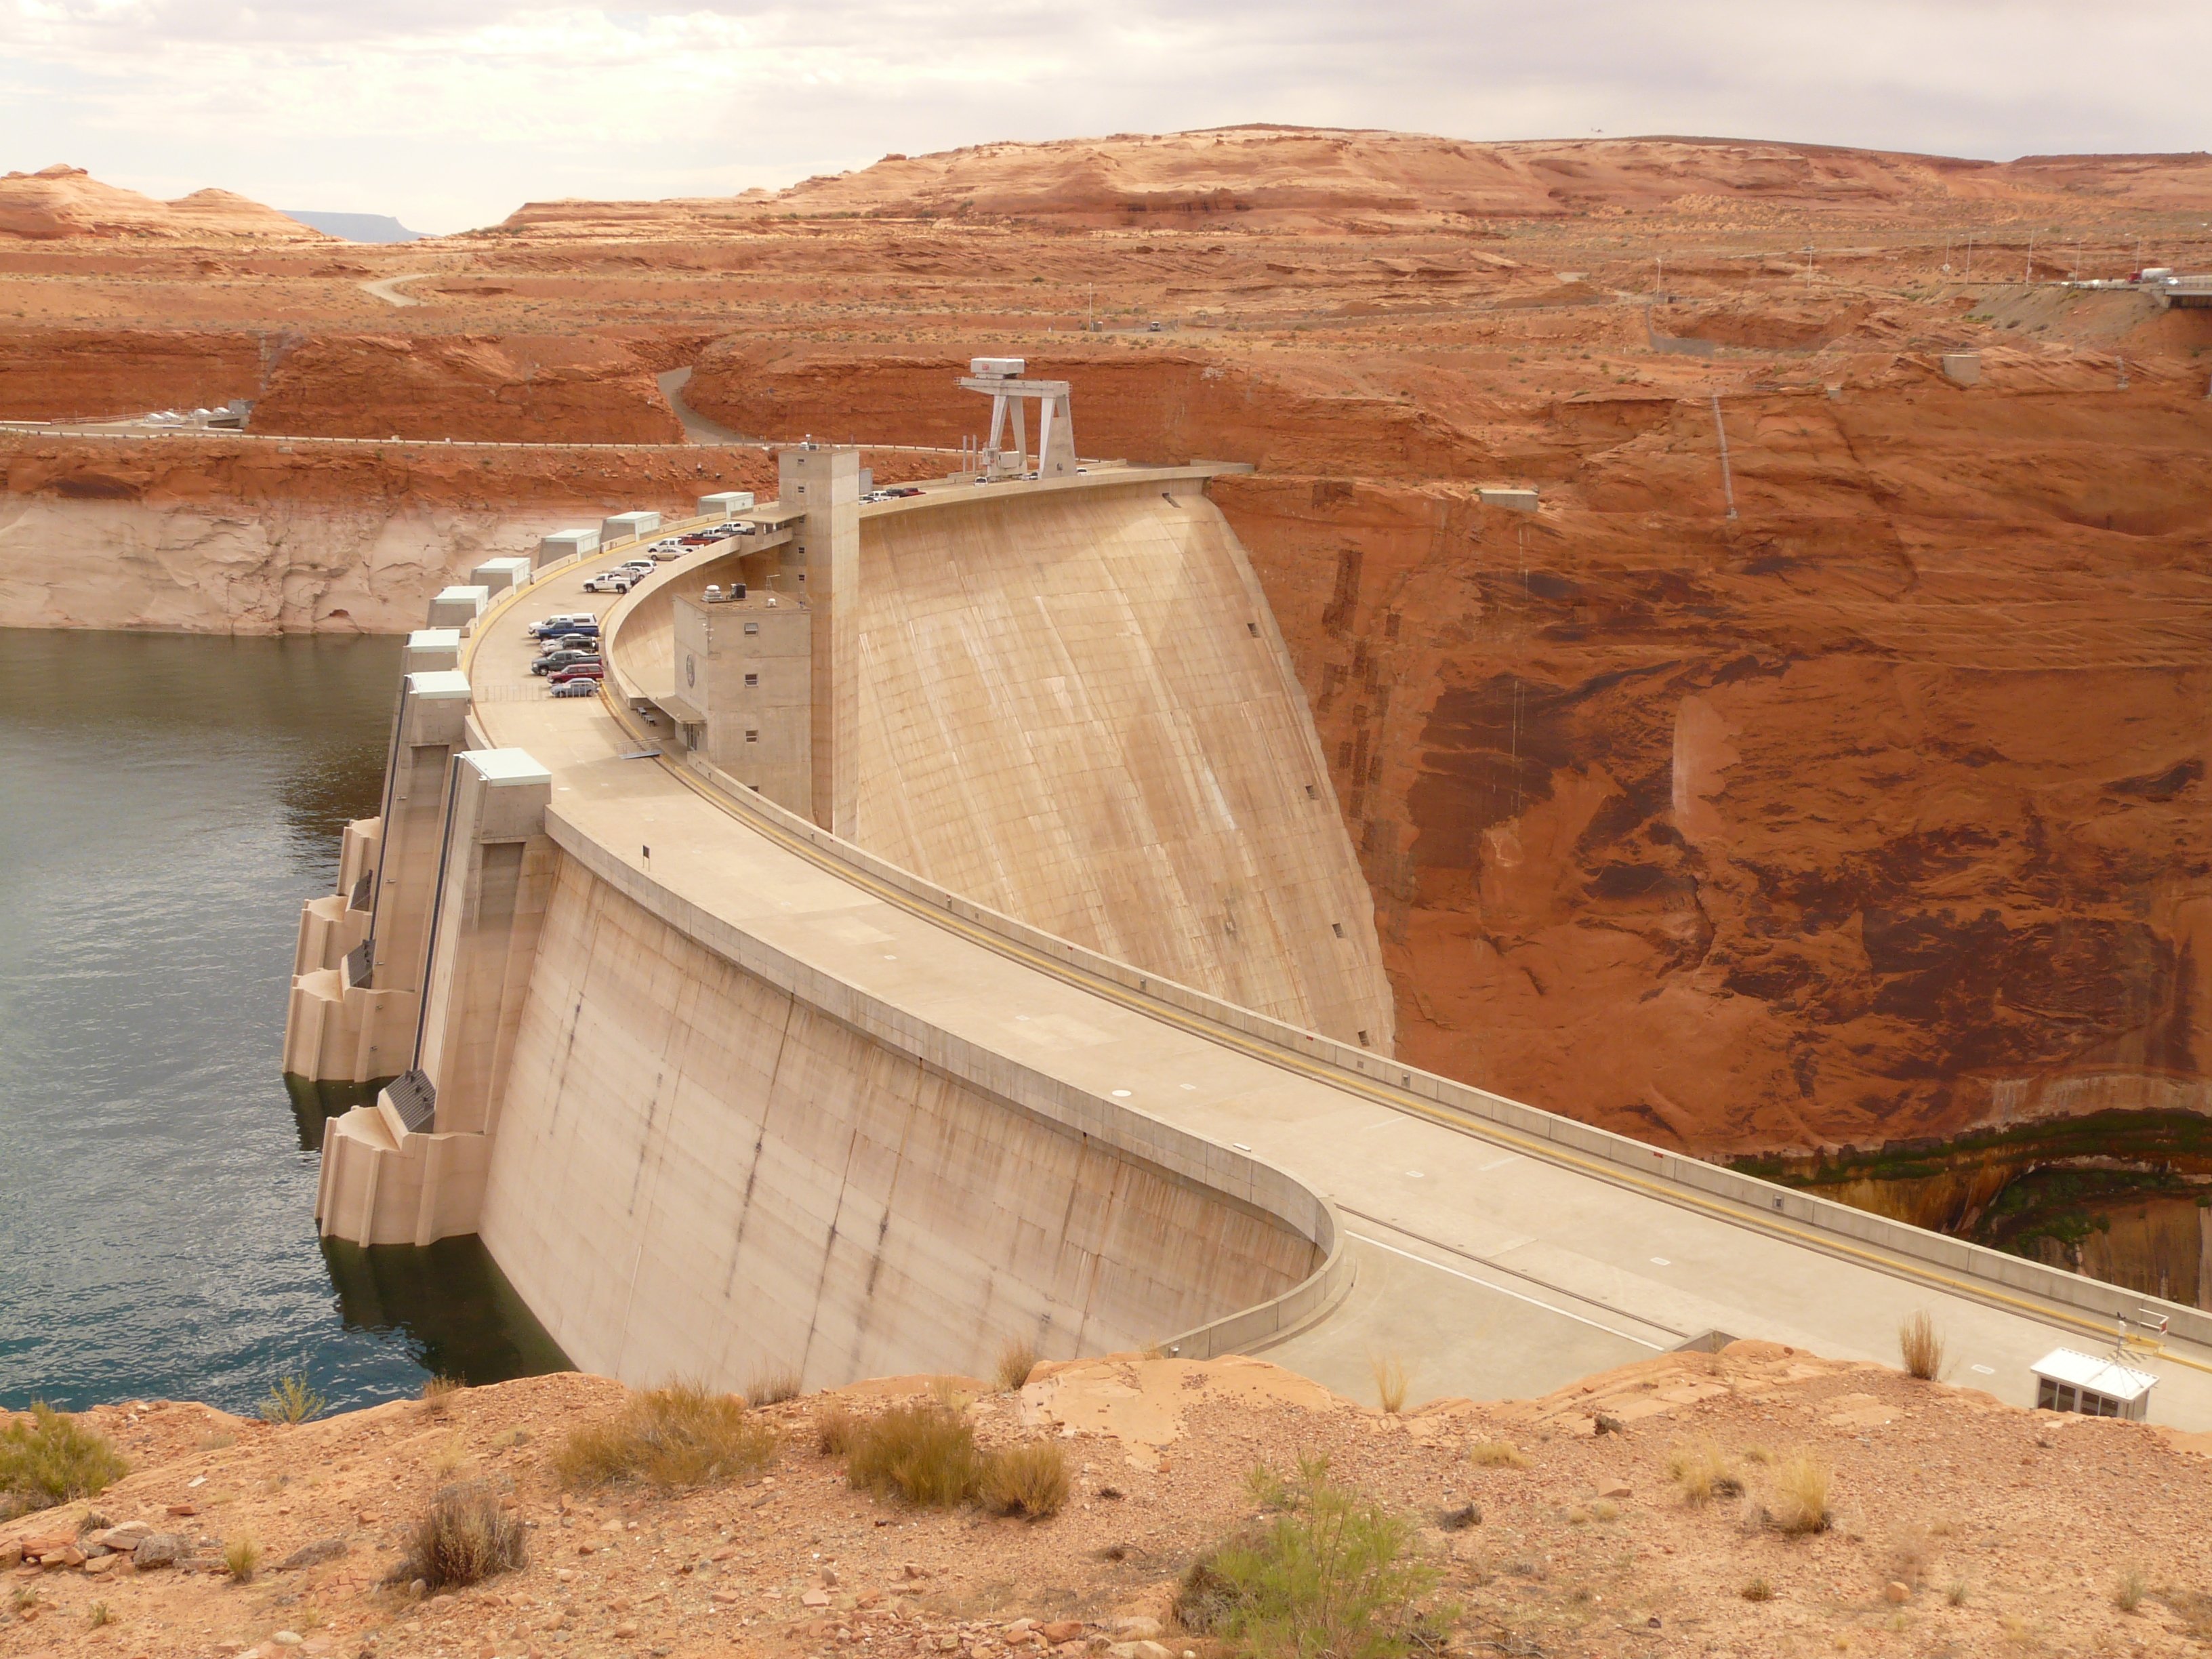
x=1419, y=1203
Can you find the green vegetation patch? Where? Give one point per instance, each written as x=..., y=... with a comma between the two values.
x=1333, y=1575
x=49, y=1458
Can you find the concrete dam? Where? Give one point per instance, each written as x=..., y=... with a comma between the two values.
x=939, y=929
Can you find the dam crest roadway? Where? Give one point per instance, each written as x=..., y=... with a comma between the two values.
x=938, y=930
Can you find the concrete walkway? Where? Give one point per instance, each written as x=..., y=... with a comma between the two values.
x=1489, y=1266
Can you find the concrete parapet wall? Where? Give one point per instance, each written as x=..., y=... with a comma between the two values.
x=714, y=1161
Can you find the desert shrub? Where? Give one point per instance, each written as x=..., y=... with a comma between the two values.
x=98, y=1615
x=51, y=1459
x=2127, y=1591
x=1016, y=1361
x=241, y=1556
x=1028, y=1480
x=438, y=1394
x=1921, y=1348
x=1331, y=1576
x=1757, y=1590
x=835, y=1426
x=292, y=1399
x=1498, y=1455
x=1391, y=1383
x=678, y=1435
x=1702, y=1472
x=1800, y=1495
x=463, y=1538
x=773, y=1387
x=922, y=1453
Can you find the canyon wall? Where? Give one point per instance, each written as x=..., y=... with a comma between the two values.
x=224, y=535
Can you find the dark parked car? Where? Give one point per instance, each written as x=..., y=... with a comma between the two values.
x=592, y=669
x=554, y=661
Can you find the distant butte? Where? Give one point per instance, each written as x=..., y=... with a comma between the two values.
x=62, y=202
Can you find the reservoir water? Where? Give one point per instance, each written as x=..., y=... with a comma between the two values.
x=165, y=802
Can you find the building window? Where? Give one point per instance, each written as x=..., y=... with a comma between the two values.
x=752, y=680
x=752, y=736
x=752, y=628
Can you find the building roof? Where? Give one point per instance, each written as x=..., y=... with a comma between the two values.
x=2105, y=1377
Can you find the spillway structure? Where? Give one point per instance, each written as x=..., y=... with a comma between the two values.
x=940, y=930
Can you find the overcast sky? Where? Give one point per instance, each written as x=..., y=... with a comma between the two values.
x=450, y=113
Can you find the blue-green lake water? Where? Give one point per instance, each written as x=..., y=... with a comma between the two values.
x=165, y=802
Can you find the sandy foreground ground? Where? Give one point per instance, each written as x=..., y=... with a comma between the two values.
x=1961, y=1525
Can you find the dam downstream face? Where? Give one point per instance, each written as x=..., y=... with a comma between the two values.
x=166, y=802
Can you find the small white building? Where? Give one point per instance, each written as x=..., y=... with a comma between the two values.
x=727, y=502
x=2066, y=1381
x=619, y=527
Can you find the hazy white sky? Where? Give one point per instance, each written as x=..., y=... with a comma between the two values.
x=450, y=113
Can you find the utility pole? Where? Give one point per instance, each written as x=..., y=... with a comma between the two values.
x=1728, y=482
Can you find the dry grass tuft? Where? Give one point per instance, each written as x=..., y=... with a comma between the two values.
x=1029, y=1480
x=835, y=1427
x=438, y=1394
x=1703, y=1472
x=1910, y=1553
x=773, y=1387
x=1757, y=1590
x=1497, y=1455
x=241, y=1557
x=292, y=1399
x=1016, y=1361
x=922, y=1453
x=463, y=1538
x=1922, y=1347
x=1391, y=1384
x=1800, y=1495
x=678, y=1435
x=950, y=1395
x=52, y=1459
x=98, y=1614
x=2129, y=1590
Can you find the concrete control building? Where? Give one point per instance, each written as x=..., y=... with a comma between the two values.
x=940, y=929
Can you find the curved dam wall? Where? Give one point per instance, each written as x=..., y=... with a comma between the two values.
x=1074, y=710
x=699, y=1171
x=1073, y=707
x=693, y=1156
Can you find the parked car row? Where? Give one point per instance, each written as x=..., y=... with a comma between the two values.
x=890, y=493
